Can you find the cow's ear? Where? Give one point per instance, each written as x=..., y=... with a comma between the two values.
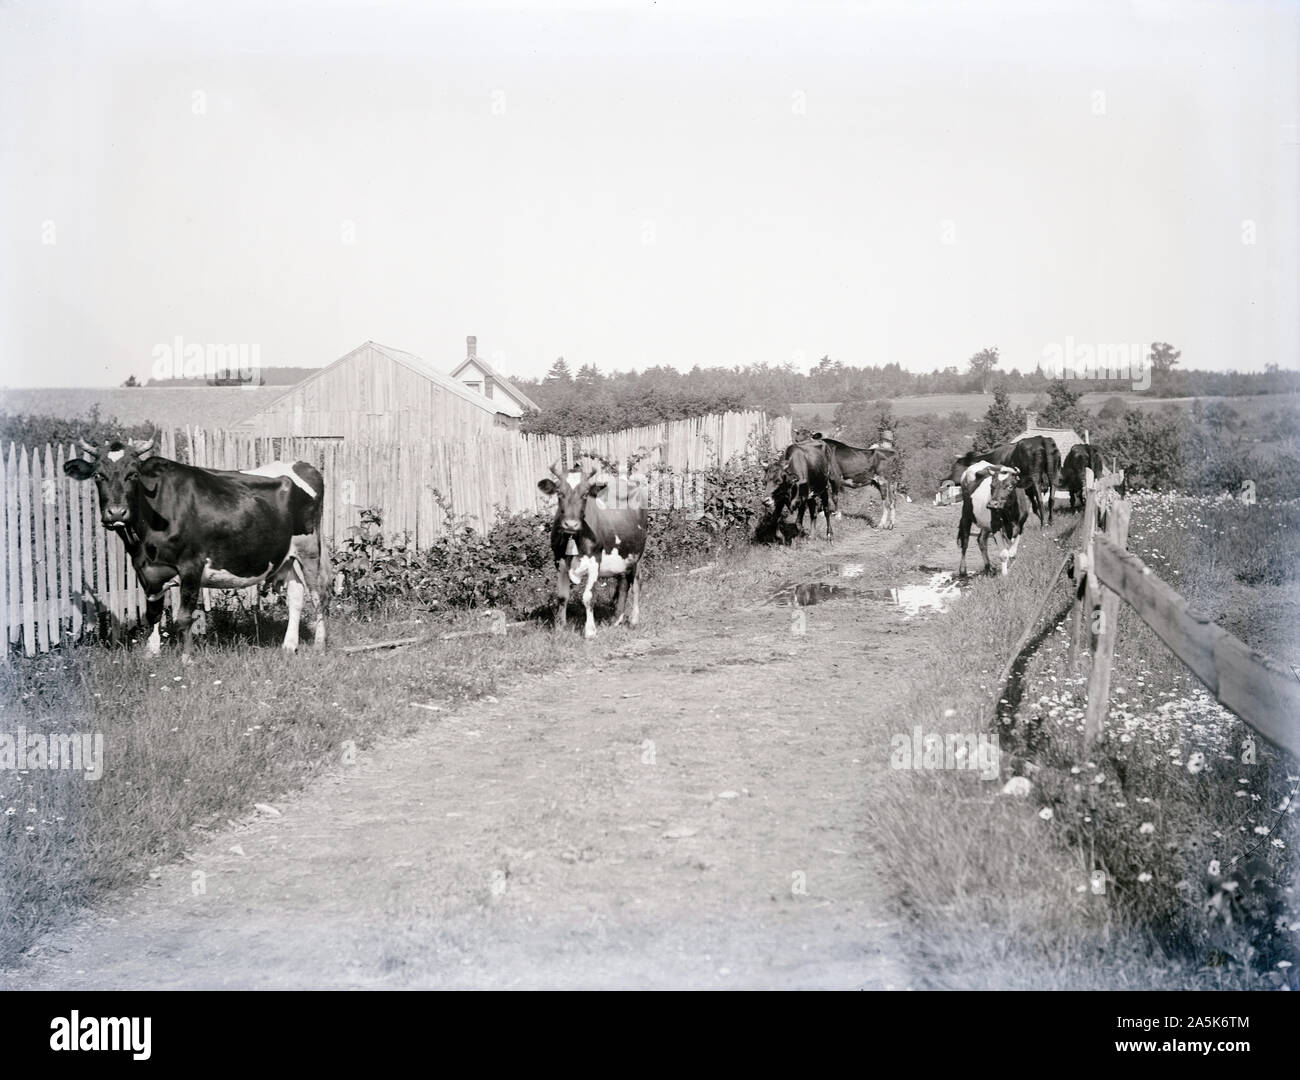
x=79, y=468
x=151, y=466
x=597, y=487
x=547, y=486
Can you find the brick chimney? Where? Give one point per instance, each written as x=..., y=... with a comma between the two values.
x=471, y=347
x=1031, y=421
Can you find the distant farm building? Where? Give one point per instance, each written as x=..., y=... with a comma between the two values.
x=478, y=375
x=379, y=394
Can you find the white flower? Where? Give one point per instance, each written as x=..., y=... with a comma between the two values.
x=1017, y=785
x=1144, y=876
x=1045, y=813
x=1146, y=828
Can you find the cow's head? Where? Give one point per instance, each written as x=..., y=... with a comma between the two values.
x=571, y=493
x=775, y=477
x=120, y=470
x=1002, y=486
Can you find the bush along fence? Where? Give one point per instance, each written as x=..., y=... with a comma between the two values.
x=64, y=575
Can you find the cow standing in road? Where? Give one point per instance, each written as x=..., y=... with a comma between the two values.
x=1082, y=456
x=995, y=503
x=590, y=541
x=1037, y=459
x=873, y=466
x=200, y=528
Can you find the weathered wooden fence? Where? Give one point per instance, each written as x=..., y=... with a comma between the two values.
x=1254, y=686
x=62, y=572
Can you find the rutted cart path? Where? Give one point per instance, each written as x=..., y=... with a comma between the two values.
x=693, y=810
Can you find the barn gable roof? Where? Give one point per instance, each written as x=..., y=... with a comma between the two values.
x=412, y=363
x=505, y=384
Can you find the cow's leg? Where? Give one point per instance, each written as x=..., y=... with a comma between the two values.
x=963, y=533
x=589, y=599
x=1051, y=498
x=191, y=596
x=634, y=587
x=295, y=591
x=826, y=509
x=1009, y=552
x=561, y=610
x=620, y=599
x=984, y=550
x=153, y=610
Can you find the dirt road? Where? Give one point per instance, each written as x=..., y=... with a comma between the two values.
x=688, y=813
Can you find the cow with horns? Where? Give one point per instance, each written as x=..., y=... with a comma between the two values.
x=590, y=540
x=197, y=528
x=994, y=501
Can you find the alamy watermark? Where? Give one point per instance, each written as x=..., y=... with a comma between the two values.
x=236, y=364
x=970, y=750
x=1123, y=362
x=74, y=751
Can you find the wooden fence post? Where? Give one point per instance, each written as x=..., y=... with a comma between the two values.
x=1082, y=580
x=1117, y=517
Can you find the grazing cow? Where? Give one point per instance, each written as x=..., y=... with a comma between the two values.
x=804, y=474
x=1038, y=461
x=994, y=501
x=209, y=528
x=590, y=540
x=1081, y=457
x=874, y=466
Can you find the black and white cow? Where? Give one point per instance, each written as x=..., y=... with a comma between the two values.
x=995, y=503
x=210, y=528
x=804, y=475
x=590, y=540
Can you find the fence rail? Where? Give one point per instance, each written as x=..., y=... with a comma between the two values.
x=1254, y=686
x=62, y=573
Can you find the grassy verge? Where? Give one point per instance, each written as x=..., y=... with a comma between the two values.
x=1114, y=872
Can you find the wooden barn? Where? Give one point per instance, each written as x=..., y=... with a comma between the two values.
x=380, y=394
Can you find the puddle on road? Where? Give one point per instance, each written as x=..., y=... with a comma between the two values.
x=934, y=595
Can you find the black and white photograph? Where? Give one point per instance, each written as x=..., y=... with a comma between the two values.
x=563, y=495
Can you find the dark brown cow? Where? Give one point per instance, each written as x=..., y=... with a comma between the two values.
x=209, y=528
x=590, y=540
x=872, y=466
x=804, y=474
x=1082, y=456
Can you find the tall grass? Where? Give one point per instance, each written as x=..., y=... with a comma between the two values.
x=1149, y=894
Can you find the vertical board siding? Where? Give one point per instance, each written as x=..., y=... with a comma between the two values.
x=64, y=574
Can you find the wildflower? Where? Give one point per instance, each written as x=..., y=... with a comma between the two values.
x=1045, y=813
x=1146, y=828
x=1144, y=877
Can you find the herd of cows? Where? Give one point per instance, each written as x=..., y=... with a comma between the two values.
x=999, y=487
x=200, y=528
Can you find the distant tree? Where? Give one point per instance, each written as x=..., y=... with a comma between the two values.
x=1163, y=357
x=131, y=381
x=1114, y=407
x=32, y=429
x=981, y=367
x=1062, y=410
x=1002, y=422
x=559, y=372
x=588, y=374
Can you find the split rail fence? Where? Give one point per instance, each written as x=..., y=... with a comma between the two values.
x=1254, y=686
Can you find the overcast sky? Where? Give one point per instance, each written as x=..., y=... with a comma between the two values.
x=646, y=183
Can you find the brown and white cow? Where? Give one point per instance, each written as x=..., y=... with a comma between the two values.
x=209, y=528
x=590, y=540
x=995, y=503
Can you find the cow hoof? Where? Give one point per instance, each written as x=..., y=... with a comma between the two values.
x=589, y=634
x=187, y=659
x=290, y=648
